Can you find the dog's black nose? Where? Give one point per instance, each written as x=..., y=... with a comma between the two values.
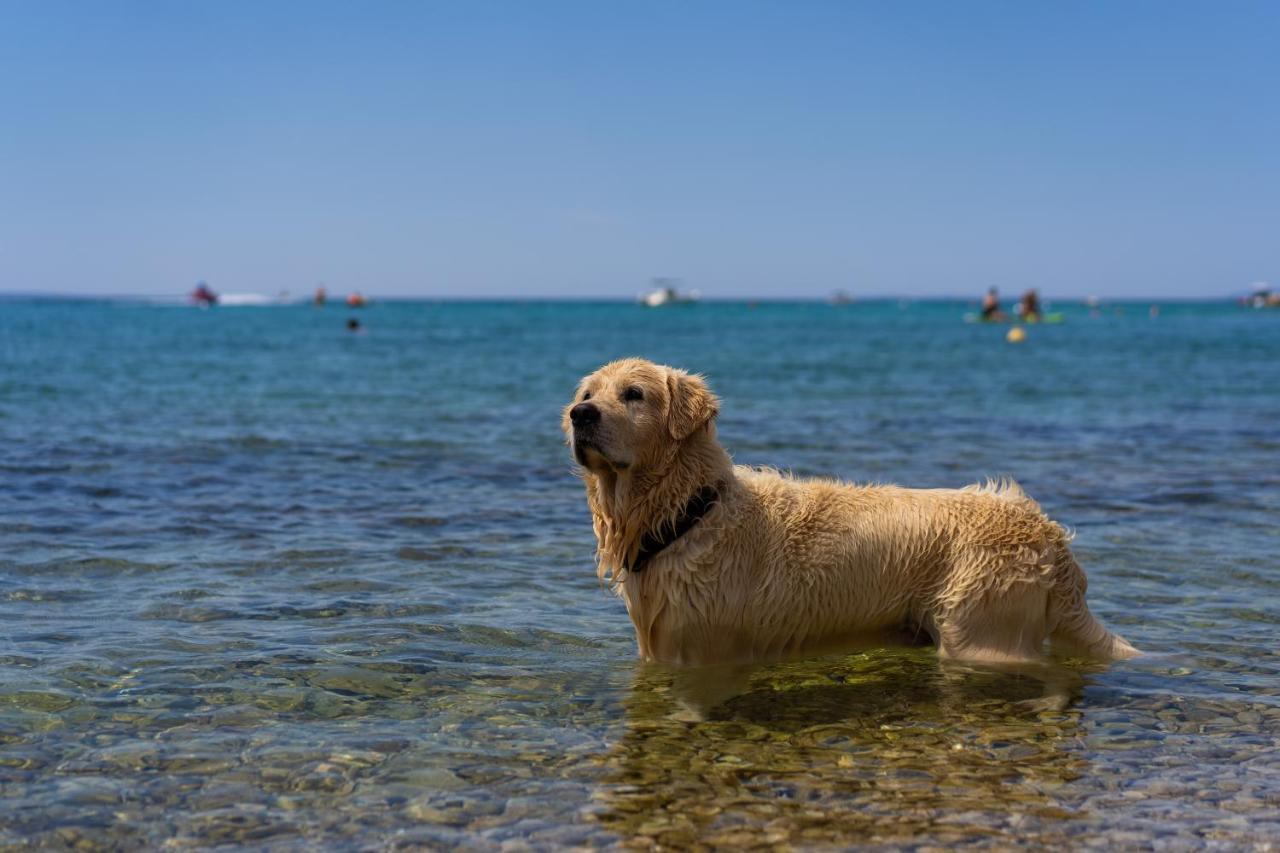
x=584, y=414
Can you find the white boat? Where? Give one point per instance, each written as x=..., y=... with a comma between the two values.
x=1262, y=296
x=666, y=292
x=244, y=299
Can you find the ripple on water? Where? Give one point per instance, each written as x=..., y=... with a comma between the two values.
x=89, y=567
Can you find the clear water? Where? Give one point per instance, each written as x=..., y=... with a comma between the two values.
x=267, y=582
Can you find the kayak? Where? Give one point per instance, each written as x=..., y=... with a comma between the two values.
x=1053, y=318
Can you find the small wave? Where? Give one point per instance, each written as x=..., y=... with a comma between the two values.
x=48, y=595
x=415, y=521
x=186, y=613
x=101, y=491
x=435, y=553
x=1186, y=497
x=346, y=607
x=90, y=566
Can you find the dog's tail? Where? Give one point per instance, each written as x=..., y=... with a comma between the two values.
x=1077, y=631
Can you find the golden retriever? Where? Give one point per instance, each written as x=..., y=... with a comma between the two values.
x=725, y=564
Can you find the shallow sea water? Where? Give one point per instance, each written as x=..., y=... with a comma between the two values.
x=265, y=582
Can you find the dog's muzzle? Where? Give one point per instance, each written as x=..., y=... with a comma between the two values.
x=585, y=418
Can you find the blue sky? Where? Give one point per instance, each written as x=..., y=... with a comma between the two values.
x=577, y=149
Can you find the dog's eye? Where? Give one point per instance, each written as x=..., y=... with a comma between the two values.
x=586, y=395
x=632, y=393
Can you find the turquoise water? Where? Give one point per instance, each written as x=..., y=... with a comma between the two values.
x=268, y=582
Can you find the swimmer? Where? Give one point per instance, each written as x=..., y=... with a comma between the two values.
x=1029, y=307
x=991, y=312
x=353, y=325
x=203, y=295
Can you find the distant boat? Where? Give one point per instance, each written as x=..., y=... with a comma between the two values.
x=1263, y=297
x=841, y=297
x=242, y=300
x=667, y=292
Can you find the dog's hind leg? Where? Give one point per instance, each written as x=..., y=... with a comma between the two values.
x=1008, y=626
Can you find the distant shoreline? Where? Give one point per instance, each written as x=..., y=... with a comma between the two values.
x=181, y=299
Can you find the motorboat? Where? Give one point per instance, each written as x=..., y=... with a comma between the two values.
x=666, y=291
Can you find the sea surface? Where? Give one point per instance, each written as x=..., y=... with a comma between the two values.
x=267, y=582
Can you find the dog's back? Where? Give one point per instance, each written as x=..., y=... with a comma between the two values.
x=801, y=564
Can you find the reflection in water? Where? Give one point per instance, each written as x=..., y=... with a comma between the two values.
x=860, y=748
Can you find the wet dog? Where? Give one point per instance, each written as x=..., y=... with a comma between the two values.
x=725, y=564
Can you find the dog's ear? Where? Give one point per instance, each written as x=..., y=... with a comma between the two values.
x=690, y=404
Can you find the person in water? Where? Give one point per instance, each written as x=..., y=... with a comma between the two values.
x=991, y=306
x=203, y=295
x=353, y=325
x=1029, y=307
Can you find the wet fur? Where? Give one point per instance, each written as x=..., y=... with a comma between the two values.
x=783, y=566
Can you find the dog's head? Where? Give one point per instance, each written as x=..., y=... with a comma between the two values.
x=627, y=414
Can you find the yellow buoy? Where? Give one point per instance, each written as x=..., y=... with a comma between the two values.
x=1016, y=335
